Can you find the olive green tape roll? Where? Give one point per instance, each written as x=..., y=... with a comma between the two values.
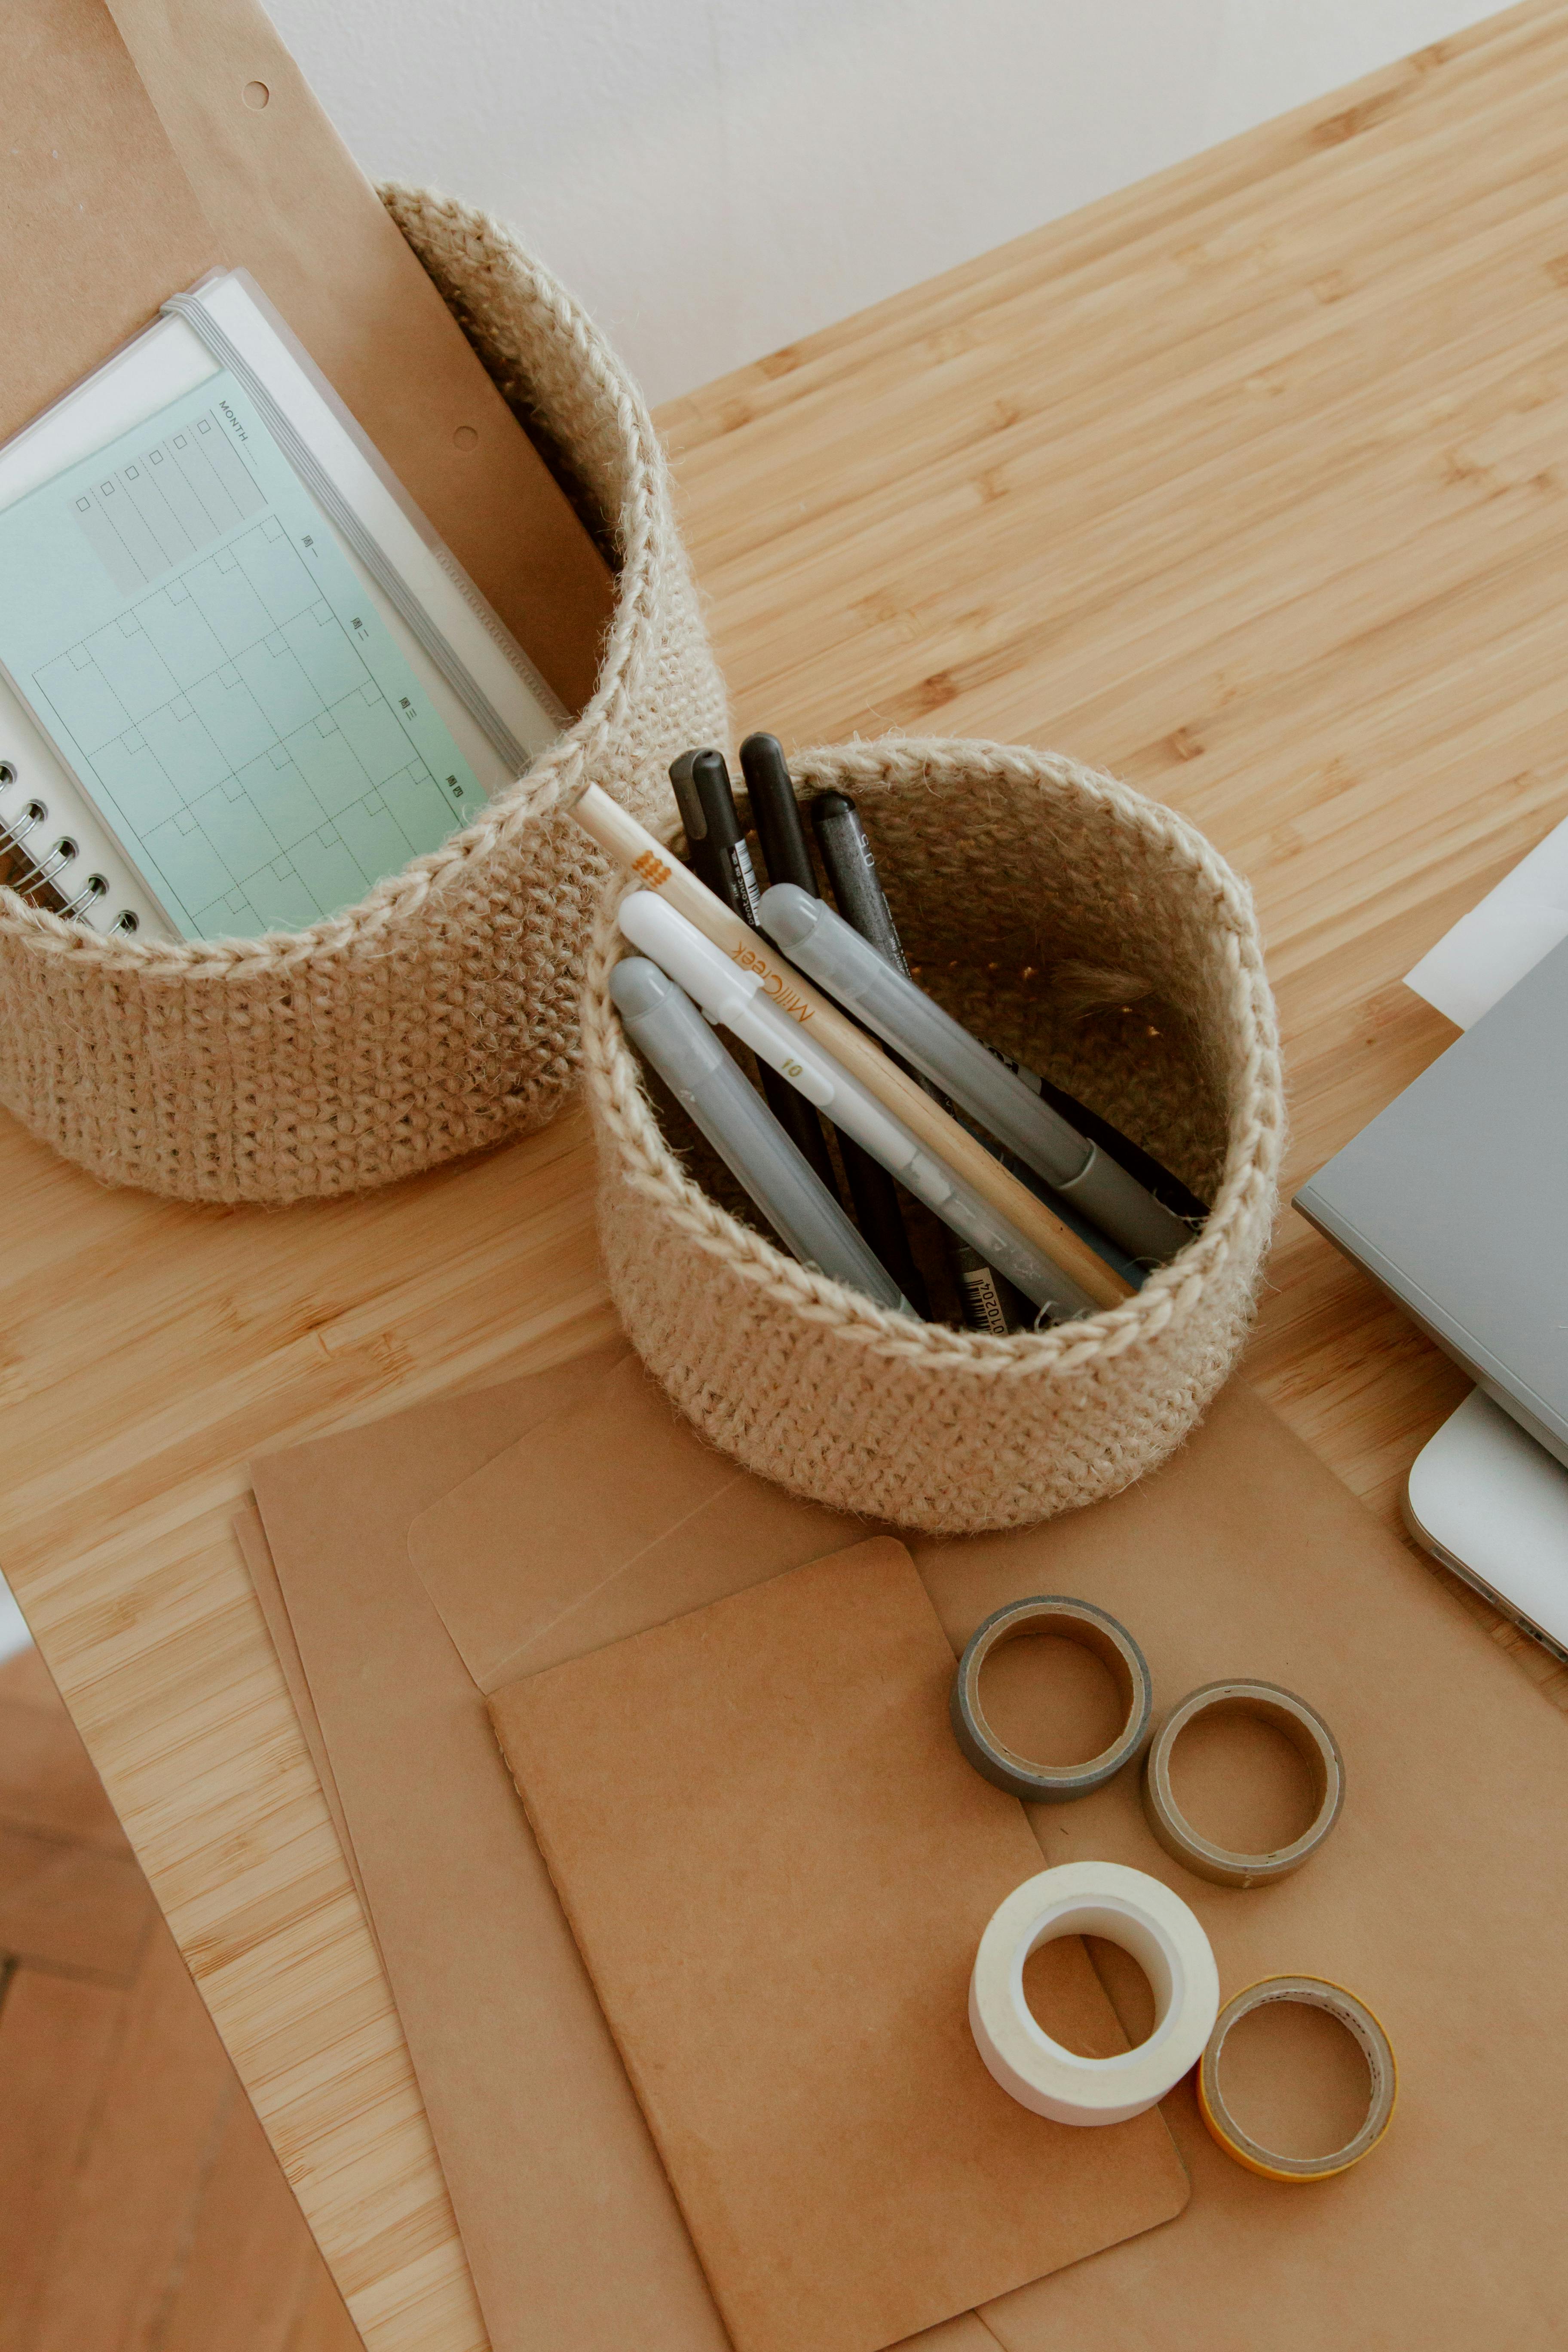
x=1072, y=1621
x=1313, y=1992
x=1307, y=1734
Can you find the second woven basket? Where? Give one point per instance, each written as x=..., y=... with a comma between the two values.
x=1092, y=934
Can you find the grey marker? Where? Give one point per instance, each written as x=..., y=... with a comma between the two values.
x=905, y=1018
x=852, y=870
x=666, y=1028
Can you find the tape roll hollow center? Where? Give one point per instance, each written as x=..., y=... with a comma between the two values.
x=1306, y=1733
x=1365, y=2030
x=1147, y=1920
x=1089, y=1628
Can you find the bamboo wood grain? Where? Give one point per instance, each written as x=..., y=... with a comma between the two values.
x=624, y=839
x=1249, y=485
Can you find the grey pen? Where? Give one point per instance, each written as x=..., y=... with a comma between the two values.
x=873, y=1194
x=852, y=870
x=830, y=951
x=672, y=1036
x=857, y=887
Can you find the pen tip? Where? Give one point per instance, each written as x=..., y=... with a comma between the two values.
x=831, y=803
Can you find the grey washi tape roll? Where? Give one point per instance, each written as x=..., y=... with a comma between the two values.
x=1307, y=1734
x=1072, y=1621
x=1383, y=2079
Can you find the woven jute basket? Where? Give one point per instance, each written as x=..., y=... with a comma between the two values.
x=1096, y=936
x=441, y=1012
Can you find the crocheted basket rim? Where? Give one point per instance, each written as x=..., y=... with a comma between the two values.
x=1251, y=1076
x=522, y=802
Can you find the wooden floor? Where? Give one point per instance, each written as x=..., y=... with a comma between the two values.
x=140, y=2207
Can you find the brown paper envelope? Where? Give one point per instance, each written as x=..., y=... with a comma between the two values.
x=262, y=1570
x=521, y=1561
x=100, y=224
x=289, y=204
x=543, y=2147
x=544, y=1553
x=969, y=2334
x=1441, y=1899
x=778, y=1867
x=1247, y=1516
x=467, y=2017
x=1245, y=1555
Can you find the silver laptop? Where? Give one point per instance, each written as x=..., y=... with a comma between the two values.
x=1455, y=1198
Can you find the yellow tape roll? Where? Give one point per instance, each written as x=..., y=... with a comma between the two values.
x=1314, y=1992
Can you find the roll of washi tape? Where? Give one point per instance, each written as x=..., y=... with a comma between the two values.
x=1127, y=1908
x=1314, y=1992
x=1091, y=1629
x=1307, y=1734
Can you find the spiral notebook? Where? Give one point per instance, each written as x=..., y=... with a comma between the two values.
x=241, y=678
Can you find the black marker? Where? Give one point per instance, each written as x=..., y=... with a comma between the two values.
x=776, y=812
x=720, y=859
x=873, y=1194
x=724, y=834
x=698, y=848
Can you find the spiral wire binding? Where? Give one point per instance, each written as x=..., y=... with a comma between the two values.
x=39, y=879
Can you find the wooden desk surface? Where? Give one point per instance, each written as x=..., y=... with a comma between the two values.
x=1251, y=486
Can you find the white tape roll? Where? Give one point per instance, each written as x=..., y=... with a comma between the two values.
x=1127, y=1908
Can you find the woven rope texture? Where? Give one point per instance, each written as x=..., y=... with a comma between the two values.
x=1099, y=937
x=441, y=1014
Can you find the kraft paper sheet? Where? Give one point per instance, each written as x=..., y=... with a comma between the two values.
x=1441, y=1897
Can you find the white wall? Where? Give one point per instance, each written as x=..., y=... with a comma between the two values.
x=716, y=177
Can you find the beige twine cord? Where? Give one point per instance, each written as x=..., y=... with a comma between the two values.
x=439, y=1013
x=806, y=1382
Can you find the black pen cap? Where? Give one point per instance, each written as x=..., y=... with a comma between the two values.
x=711, y=783
x=700, y=850
x=691, y=807
x=776, y=813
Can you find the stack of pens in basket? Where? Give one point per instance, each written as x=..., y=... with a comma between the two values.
x=1046, y=1212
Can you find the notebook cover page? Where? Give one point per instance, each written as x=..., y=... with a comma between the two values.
x=778, y=1867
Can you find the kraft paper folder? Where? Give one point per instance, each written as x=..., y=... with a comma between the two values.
x=777, y=1866
x=1441, y=1896
x=150, y=141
